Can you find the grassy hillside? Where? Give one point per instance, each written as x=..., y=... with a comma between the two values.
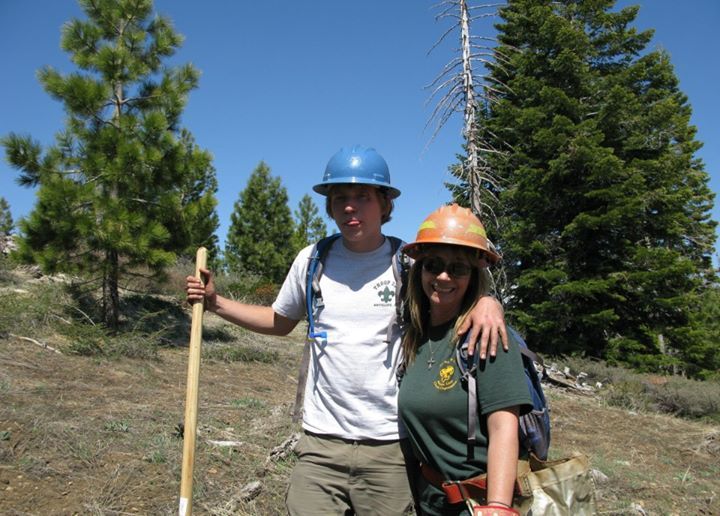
x=99, y=434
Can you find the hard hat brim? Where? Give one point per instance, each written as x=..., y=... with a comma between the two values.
x=415, y=249
x=322, y=188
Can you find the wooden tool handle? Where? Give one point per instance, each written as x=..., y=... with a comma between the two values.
x=191, y=398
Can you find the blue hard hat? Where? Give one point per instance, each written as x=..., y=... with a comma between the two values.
x=359, y=165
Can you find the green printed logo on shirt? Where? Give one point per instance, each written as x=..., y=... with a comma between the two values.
x=386, y=295
x=446, y=376
x=385, y=291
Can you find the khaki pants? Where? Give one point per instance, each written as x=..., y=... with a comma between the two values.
x=340, y=476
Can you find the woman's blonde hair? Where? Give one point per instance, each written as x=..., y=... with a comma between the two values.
x=417, y=305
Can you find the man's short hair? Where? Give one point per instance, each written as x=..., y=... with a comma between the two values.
x=386, y=202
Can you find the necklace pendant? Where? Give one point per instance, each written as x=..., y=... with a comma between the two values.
x=430, y=362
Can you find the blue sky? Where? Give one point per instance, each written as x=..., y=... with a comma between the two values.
x=292, y=82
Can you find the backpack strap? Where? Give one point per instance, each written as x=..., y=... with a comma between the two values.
x=468, y=376
x=534, y=427
x=313, y=294
x=400, y=267
x=313, y=302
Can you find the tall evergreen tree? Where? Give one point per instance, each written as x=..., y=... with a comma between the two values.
x=199, y=222
x=605, y=229
x=259, y=240
x=116, y=180
x=703, y=335
x=6, y=220
x=309, y=226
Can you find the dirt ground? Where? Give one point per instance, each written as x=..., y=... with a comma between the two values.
x=88, y=436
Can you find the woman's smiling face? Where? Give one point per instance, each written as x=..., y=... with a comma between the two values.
x=446, y=274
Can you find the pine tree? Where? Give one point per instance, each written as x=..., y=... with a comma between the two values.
x=6, y=220
x=259, y=240
x=309, y=226
x=701, y=352
x=116, y=180
x=199, y=222
x=605, y=228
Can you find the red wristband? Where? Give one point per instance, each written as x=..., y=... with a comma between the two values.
x=494, y=510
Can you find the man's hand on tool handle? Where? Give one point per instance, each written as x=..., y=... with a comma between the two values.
x=197, y=291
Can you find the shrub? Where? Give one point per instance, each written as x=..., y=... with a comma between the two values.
x=36, y=310
x=240, y=354
x=85, y=340
x=173, y=281
x=692, y=399
x=686, y=398
x=247, y=288
x=134, y=345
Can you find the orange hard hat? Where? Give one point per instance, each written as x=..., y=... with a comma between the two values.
x=453, y=225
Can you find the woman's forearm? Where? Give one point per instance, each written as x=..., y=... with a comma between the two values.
x=503, y=452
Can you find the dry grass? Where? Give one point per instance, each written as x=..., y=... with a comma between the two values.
x=89, y=435
x=80, y=435
x=659, y=462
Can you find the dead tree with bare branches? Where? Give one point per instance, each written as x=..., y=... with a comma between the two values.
x=462, y=86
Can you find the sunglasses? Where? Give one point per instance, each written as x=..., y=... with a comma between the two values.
x=435, y=265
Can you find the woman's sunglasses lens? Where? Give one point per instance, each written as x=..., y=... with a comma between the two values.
x=437, y=266
x=458, y=269
x=434, y=265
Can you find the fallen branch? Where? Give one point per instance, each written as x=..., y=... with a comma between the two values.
x=36, y=342
x=226, y=444
x=283, y=450
x=250, y=491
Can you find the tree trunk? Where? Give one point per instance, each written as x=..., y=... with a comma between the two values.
x=111, y=296
x=469, y=130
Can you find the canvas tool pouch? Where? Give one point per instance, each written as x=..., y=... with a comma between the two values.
x=543, y=488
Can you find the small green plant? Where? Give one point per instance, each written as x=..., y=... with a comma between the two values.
x=251, y=403
x=5, y=435
x=117, y=426
x=157, y=457
x=158, y=450
x=86, y=451
x=33, y=466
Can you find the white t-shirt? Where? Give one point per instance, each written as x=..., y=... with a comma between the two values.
x=351, y=390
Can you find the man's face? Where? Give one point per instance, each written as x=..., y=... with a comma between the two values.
x=357, y=211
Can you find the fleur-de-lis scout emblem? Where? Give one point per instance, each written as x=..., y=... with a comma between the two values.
x=386, y=295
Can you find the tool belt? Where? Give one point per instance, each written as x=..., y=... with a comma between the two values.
x=554, y=488
x=474, y=488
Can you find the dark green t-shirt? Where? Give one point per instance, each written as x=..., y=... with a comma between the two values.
x=433, y=407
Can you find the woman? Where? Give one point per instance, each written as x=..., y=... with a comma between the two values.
x=449, y=275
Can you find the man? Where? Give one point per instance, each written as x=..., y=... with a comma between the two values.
x=350, y=457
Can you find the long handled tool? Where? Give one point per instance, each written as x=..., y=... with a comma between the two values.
x=191, y=398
